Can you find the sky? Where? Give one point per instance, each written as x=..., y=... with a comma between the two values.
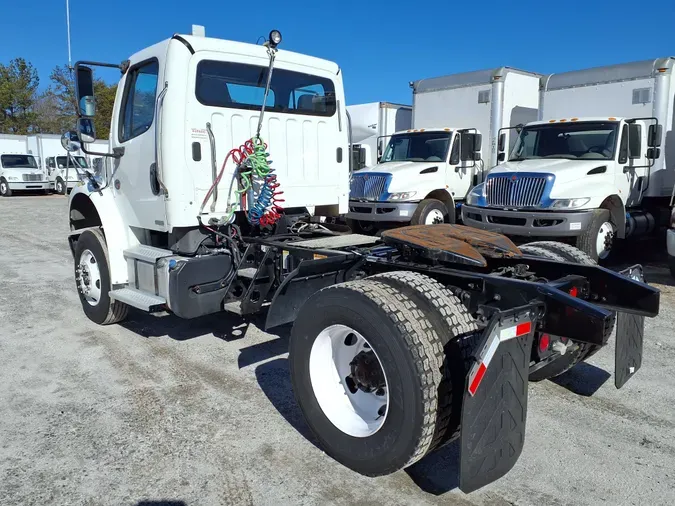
x=381, y=45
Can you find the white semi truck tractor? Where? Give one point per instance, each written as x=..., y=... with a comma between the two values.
x=219, y=151
x=598, y=166
x=425, y=173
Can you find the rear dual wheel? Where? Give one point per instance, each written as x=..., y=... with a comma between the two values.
x=378, y=370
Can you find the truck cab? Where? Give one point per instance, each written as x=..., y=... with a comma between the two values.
x=420, y=178
x=572, y=178
x=63, y=171
x=20, y=172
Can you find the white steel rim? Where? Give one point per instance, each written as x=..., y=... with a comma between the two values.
x=356, y=414
x=59, y=186
x=3, y=187
x=434, y=217
x=604, y=240
x=89, y=278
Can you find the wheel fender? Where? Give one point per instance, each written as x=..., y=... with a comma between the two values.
x=617, y=211
x=445, y=197
x=118, y=236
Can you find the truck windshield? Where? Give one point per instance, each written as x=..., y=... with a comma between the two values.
x=417, y=147
x=18, y=162
x=242, y=86
x=80, y=161
x=573, y=141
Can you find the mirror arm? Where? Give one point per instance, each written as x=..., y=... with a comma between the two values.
x=117, y=152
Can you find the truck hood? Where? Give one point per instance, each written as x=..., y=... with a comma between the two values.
x=17, y=171
x=564, y=170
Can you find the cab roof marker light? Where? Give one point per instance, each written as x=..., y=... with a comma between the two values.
x=563, y=120
x=611, y=119
x=574, y=119
x=551, y=121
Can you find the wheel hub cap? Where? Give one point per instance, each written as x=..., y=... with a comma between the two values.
x=605, y=240
x=348, y=381
x=89, y=278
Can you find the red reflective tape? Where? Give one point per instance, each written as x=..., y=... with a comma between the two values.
x=523, y=328
x=477, y=378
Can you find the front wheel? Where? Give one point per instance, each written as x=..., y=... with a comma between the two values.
x=598, y=239
x=366, y=367
x=60, y=186
x=92, y=276
x=5, y=190
x=431, y=212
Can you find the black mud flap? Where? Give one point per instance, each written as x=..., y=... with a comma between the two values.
x=494, y=411
x=630, y=331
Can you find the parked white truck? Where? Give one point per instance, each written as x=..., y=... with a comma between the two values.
x=423, y=175
x=594, y=168
x=61, y=169
x=396, y=342
x=372, y=125
x=19, y=171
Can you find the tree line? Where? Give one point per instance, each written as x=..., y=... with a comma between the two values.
x=24, y=109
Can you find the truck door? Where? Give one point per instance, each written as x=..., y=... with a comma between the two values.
x=631, y=176
x=135, y=185
x=461, y=166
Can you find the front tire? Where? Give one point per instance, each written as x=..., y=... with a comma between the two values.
x=409, y=353
x=60, y=187
x=5, y=190
x=431, y=212
x=92, y=278
x=598, y=239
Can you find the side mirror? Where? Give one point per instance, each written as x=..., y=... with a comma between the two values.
x=501, y=143
x=653, y=153
x=84, y=83
x=501, y=157
x=70, y=141
x=478, y=144
x=362, y=157
x=654, y=136
x=85, y=129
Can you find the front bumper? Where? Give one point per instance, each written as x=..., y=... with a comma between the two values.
x=527, y=223
x=381, y=211
x=29, y=185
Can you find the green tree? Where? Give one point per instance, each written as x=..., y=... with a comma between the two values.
x=18, y=86
x=63, y=92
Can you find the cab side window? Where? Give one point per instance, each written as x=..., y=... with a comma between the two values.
x=138, y=105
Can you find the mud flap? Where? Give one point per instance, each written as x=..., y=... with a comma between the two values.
x=494, y=411
x=630, y=330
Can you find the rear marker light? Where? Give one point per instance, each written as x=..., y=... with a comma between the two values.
x=480, y=368
x=544, y=342
x=574, y=292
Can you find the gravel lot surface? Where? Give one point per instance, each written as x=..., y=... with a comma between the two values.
x=164, y=411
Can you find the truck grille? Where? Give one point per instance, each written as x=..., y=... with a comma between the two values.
x=514, y=191
x=368, y=186
x=32, y=177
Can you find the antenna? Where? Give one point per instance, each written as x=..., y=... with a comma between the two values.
x=70, y=60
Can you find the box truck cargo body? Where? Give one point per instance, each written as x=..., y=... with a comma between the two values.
x=372, y=124
x=486, y=100
x=597, y=167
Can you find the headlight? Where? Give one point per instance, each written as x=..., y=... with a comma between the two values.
x=402, y=196
x=476, y=194
x=13, y=178
x=569, y=203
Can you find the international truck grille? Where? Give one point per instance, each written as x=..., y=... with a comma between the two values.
x=511, y=191
x=32, y=177
x=367, y=186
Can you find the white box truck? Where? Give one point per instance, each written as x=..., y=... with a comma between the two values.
x=19, y=171
x=593, y=168
x=420, y=179
x=371, y=126
x=61, y=169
